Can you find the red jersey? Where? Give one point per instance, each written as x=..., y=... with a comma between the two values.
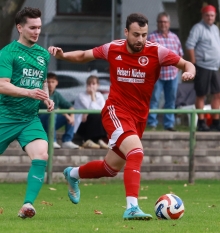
x=133, y=76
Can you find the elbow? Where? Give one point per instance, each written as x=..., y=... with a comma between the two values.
x=2, y=87
x=81, y=59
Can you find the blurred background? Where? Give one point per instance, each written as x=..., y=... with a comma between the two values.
x=84, y=24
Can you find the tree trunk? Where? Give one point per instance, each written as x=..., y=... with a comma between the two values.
x=189, y=13
x=8, y=10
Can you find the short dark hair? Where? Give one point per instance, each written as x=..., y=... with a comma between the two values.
x=91, y=78
x=51, y=75
x=163, y=14
x=27, y=12
x=136, y=18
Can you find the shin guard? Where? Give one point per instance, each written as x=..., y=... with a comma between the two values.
x=96, y=169
x=132, y=174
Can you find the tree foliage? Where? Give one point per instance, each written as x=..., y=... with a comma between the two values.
x=8, y=10
x=189, y=13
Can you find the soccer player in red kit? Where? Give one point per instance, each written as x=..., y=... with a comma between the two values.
x=134, y=68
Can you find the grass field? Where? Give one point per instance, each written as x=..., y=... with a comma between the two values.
x=56, y=214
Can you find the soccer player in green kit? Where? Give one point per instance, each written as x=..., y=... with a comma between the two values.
x=23, y=84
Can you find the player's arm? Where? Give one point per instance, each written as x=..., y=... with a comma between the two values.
x=188, y=69
x=48, y=102
x=78, y=56
x=167, y=58
x=7, y=88
x=45, y=87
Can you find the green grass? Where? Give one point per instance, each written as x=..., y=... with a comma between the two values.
x=202, y=208
x=179, y=128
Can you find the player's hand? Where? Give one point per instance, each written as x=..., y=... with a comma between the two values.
x=56, y=52
x=37, y=94
x=50, y=104
x=186, y=76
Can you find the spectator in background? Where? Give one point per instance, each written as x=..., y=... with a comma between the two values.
x=66, y=120
x=168, y=80
x=89, y=126
x=203, y=46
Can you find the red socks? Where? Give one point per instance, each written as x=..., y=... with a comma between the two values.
x=132, y=174
x=96, y=169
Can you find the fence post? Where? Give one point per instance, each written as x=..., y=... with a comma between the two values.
x=50, y=147
x=192, y=144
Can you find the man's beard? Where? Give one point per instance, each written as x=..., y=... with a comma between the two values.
x=135, y=49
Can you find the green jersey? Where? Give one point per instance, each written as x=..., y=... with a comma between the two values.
x=27, y=68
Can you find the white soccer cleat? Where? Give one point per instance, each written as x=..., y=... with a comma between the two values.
x=26, y=211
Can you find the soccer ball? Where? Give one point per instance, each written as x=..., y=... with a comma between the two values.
x=169, y=206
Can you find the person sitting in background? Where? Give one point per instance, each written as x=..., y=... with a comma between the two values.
x=66, y=120
x=89, y=126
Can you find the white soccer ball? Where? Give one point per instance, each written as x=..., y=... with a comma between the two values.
x=169, y=206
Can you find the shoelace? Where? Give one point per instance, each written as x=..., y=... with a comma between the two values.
x=72, y=191
x=135, y=209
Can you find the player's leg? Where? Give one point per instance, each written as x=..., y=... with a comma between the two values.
x=9, y=130
x=97, y=169
x=109, y=167
x=114, y=161
x=132, y=148
x=33, y=140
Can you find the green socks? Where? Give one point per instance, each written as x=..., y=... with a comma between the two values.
x=35, y=180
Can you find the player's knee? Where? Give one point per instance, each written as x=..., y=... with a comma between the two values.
x=134, y=159
x=42, y=156
x=110, y=172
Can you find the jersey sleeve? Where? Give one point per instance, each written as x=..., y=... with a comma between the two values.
x=167, y=57
x=6, y=64
x=47, y=63
x=101, y=52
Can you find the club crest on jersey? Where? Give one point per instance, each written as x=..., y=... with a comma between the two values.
x=143, y=60
x=41, y=61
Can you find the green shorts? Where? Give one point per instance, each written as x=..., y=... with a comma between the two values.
x=22, y=131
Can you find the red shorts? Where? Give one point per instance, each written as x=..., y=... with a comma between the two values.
x=119, y=124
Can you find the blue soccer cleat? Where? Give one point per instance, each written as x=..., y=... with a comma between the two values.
x=135, y=213
x=73, y=183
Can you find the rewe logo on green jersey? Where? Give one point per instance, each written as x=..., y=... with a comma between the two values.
x=32, y=78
